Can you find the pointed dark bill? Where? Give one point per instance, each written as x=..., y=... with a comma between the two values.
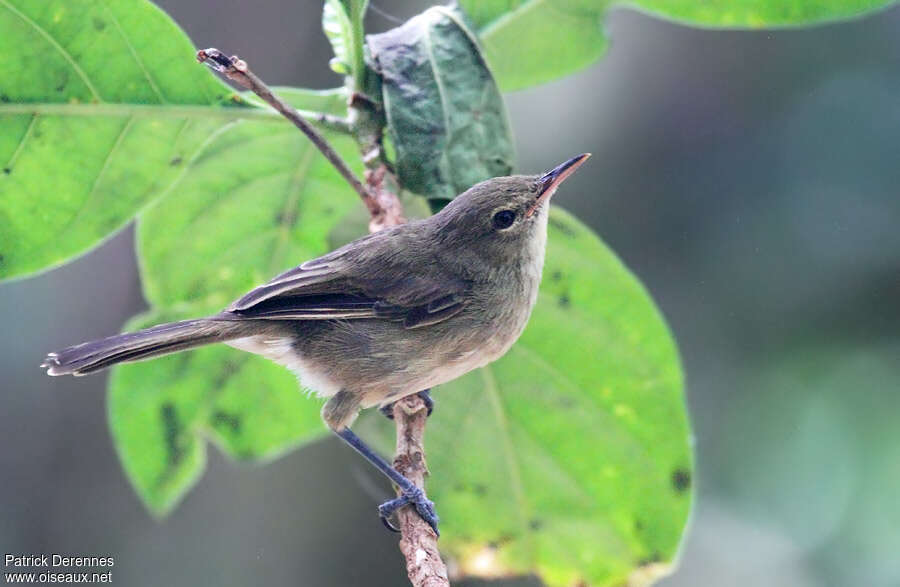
x=551, y=180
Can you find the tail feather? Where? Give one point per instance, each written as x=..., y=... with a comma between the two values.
x=134, y=346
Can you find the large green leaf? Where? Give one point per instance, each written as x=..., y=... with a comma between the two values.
x=259, y=199
x=446, y=117
x=529, y=42
x=101, y=107
x=569, y=457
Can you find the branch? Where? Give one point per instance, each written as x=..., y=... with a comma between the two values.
x=237, y=71
x=418, y=541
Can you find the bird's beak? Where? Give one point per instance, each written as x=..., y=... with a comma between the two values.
x=551, y=180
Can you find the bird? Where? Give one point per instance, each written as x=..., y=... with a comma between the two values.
x=391, y=314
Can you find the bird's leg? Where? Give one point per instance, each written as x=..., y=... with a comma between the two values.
x=410, y=494
x=388, y=410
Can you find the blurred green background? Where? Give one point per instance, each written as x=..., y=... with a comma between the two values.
x=749, y=178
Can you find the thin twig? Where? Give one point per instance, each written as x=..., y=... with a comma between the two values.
x=418, y=541
x=237, y=71
x=328, y=121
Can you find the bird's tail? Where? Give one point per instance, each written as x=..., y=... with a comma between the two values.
x=134, y=346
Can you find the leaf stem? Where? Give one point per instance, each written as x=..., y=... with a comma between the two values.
x=357, y=13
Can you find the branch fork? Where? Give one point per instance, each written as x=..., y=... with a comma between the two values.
x=379, y=194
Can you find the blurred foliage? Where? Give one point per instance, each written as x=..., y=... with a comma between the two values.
x=569, y=35
x=822, y=466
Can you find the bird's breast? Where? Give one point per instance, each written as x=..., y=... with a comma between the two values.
x=507, y=307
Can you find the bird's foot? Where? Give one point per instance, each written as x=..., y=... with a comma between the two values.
x=388, y=410
x=415, y=497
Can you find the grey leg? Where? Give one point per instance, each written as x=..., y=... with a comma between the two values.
x=410, y=494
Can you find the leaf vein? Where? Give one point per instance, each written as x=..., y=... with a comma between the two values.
x=55, y=44
x=85, y=204
x=22, y=141
x=512, y=463
x=135, y=56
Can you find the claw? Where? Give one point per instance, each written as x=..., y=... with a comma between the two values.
x=429, y=402
x=412, y=496
x=387, y=524
x=388, y=410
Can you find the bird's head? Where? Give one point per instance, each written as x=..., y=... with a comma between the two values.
x=504, y=218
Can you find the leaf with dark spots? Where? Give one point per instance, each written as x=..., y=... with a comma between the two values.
x=587, y=407
x=446, y=118
x=175, y=161
x=231, y=421
x=242, y=227
x=681, y=480
x=161, y=413
x=564, y=301
x=227, y=370
x=172, y=431
x=93, y=145
x=561, y=227
x=286, y=218
x=653, y=557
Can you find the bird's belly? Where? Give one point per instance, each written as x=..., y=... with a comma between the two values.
x=382, y=361
x=454, y=357
x=281, y=351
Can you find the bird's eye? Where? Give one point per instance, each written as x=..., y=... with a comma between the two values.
x=504, y=219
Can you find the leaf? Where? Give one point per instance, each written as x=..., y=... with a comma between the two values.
x=259, y=199
x=102, y=106
x=569, y=457
x=161, y=412
x=562, y=37
x=337, y=27
x=446, y=117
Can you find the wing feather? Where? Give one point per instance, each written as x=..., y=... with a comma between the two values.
x=339, y=286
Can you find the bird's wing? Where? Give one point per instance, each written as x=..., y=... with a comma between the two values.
x=348, y=284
